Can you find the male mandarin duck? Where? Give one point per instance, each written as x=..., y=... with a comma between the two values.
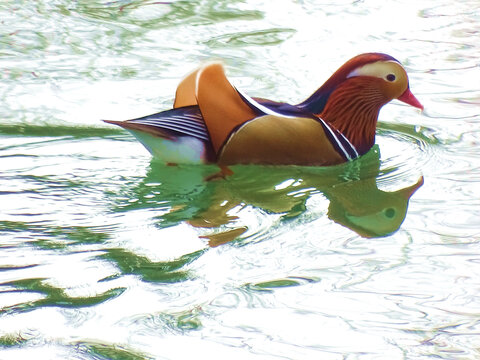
x=214, y=122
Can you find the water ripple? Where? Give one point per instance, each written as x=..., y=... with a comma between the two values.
x=107, y=254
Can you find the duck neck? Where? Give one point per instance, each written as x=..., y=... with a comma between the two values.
x=353, y=109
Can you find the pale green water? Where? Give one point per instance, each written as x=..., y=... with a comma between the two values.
x=105, y=254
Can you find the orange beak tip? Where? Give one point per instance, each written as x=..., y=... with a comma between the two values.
x=408, y=98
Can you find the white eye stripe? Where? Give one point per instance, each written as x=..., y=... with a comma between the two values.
x=354, y=73
x=380, y=69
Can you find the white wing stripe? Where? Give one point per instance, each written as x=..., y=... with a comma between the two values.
x=170, y=120
x=169, y=123
x=174, y=126
x=260, y=107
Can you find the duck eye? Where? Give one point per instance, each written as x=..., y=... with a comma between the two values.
x=391, y=77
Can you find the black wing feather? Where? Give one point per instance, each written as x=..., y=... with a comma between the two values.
x=186, y=120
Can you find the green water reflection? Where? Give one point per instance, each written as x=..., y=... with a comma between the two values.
x=53, y=296
x=108, y=351
x=172, y=14
x=355, y=201
x=55, y=237
x=151, y=271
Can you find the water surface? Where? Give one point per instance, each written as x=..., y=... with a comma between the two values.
x=107, y=254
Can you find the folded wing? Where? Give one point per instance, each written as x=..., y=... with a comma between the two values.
x=280, y=140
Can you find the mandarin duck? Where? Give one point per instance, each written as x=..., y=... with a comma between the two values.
x=214, y=122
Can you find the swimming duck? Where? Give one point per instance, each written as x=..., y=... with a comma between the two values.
x=214, y=122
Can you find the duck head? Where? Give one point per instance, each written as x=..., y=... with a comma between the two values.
x=352, y=97
x=389, y=77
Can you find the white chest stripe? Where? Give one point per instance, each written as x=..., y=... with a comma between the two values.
x=345, y=153
x=351, y=145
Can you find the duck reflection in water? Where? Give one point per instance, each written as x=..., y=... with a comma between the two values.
x=355, y=201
